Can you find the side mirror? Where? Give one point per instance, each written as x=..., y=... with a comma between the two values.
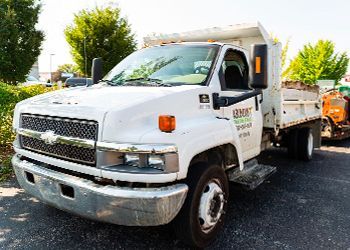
x=96, y=70
x=258, y=66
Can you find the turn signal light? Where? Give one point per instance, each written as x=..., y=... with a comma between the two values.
x=167, y=123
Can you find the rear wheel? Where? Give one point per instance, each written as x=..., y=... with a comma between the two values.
x=305, y=144
x=202, y=215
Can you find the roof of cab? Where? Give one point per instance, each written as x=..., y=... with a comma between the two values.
x=194, y=44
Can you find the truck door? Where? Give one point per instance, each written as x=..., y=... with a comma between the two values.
x=246, y=115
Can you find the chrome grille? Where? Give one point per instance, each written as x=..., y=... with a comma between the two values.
x=83, y=155
x=82, y=129
x=62, y=126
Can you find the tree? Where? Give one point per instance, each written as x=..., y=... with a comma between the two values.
x=284, y=54
x=318, y=62
x=68, y=68
x=103, y=33
x=20, y=41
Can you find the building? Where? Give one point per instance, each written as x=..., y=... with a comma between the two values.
x=35, y=70
x=44, y=76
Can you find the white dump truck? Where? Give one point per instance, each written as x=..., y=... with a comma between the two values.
x=159, y=138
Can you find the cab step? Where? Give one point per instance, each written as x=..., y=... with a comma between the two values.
x=252, y=175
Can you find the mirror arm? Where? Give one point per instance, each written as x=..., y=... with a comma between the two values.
x=225, y=101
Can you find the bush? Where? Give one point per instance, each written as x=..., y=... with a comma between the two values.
x=9, y=96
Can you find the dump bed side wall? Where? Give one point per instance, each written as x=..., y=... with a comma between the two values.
x=287, y=105
x=299, y=106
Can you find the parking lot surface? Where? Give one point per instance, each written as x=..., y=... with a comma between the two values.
x=302, y=206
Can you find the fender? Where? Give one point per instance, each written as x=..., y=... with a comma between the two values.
x=198, y=135
x=206, y=136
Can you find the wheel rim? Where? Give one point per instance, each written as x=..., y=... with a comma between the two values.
x=211, y=206
x=310, y=144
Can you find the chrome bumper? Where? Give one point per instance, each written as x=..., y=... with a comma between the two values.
x=117, y=205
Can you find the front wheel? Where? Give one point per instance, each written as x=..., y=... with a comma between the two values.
x=202, y=215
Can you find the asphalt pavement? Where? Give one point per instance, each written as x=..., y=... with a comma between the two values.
x=302, y=206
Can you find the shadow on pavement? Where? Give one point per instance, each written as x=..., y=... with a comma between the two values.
x=337, y=143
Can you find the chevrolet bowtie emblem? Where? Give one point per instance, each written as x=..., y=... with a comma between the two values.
x=49, y=137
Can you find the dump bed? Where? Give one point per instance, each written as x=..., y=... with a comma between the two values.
x=285, y=104
x=292, y=103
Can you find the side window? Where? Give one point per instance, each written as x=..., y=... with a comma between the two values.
x=234, y=71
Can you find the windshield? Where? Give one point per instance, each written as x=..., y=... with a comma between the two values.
x=165, y=66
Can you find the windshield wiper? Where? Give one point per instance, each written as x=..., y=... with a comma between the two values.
x=109, y=82
x=158, y=82
x=150, y=82
x=143, y=79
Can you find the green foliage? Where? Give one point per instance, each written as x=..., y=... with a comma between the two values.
x=9, y=96
x=285, y=54
x=106, y=35
x=20, y=41
x=68, y=68
x=318, y=62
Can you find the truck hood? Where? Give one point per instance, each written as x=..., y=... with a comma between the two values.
x=104, y=97
x=111, y=105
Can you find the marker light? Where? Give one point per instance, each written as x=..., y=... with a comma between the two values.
x=167, y=123
x=258, y=65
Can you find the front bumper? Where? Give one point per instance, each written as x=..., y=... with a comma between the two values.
x=117, y=205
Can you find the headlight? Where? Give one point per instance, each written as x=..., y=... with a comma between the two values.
x=169, y=163
x=132, y=160
x=156, y=161
x=145, y=160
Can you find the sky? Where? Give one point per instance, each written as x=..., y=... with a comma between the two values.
x=300, y=21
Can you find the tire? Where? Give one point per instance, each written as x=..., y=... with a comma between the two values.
x=327, y=127
x=293, y=144
x=204, y=181
x=305, y=144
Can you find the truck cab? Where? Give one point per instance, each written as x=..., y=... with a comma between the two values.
x=158, y=139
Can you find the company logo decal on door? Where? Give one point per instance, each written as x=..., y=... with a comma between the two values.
x=242, y=118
